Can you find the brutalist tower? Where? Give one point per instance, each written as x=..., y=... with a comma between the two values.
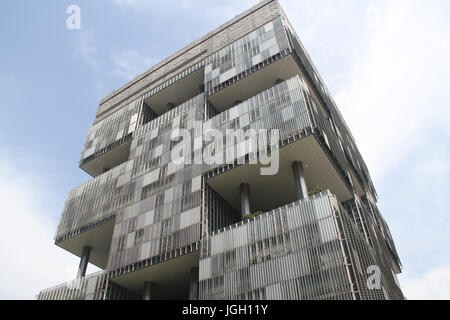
x=227, y=172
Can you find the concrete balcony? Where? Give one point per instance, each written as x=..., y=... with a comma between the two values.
x=95, y=286
x=247, y=84
x=108, y=157
x=80, y=289
x=271, y=191
x=177, y=90
x=174, y=278
x=97, y=237
x=292, y=252
x=172, y=92
x=88, y=223
x=287, y=111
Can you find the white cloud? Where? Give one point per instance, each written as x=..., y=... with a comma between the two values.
x=84, y=46
x=398, y=89
x=333, y=33
x=126, y=2
x=386, y=63
x=220, y=11
x=217, y=11
x=130, y=63
x=30, y=260
x=433, y=285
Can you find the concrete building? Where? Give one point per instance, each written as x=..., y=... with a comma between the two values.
x=160, y=228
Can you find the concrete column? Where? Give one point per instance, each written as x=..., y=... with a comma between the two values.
x=300, y=183
x=193, y=284
x=83, y=262
x=148, y=288
x=245, y=199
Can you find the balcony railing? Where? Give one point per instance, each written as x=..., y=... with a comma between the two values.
x=292, y=252
x=78, y=289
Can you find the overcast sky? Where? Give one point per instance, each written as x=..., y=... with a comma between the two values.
x=385, y=62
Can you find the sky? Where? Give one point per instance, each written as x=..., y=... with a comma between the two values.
x=385, y=62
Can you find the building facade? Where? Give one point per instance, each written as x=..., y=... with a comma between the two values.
x=227, y=172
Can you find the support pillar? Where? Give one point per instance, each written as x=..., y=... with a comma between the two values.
x=193, y=284
x=245, y=199
x=300, y=182
x=148, y=288
x=83, y=262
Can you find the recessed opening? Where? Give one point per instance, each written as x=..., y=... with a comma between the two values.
x=147, y=114
x=174, y=95
x=170, y=279
x=268, y=192
x=220, y=213
x=253, y=84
